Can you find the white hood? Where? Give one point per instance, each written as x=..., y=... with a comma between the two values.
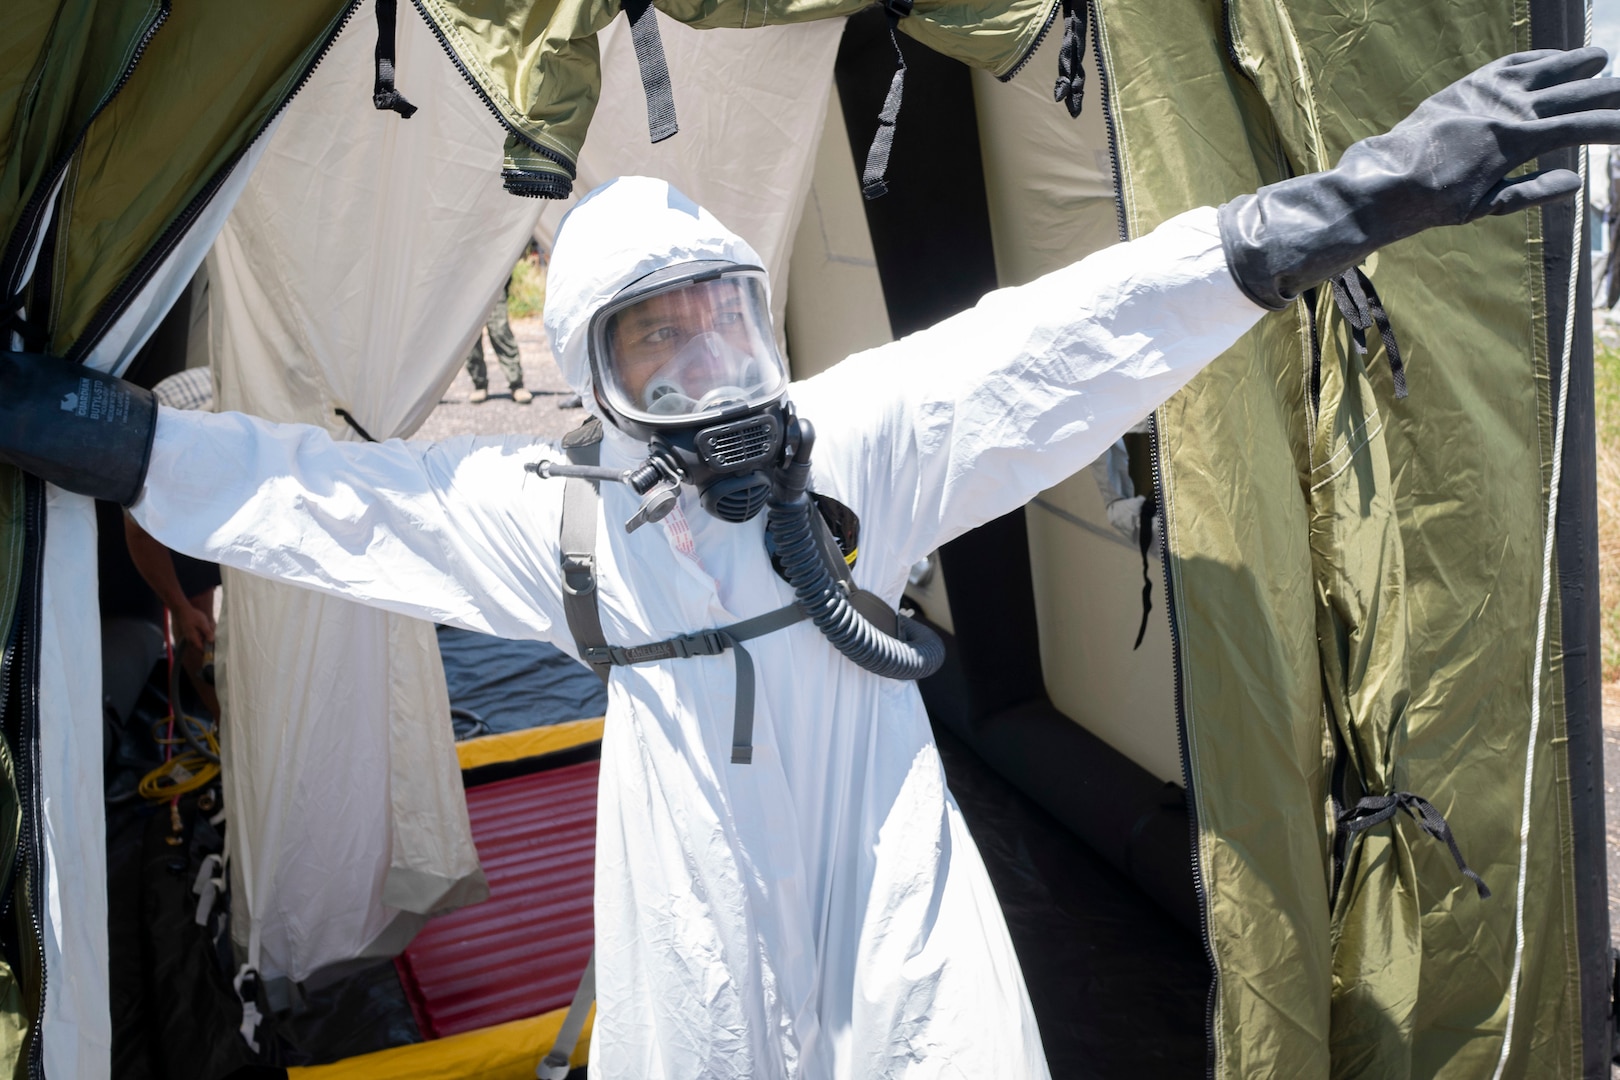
x=618, y=234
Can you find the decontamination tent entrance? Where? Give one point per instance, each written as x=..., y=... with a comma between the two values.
x=1365, y=595
x=358, y=259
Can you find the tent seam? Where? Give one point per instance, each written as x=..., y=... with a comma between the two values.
x=1349, y=461
x=1347, y=448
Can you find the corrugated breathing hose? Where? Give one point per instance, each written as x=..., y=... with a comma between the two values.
x=915, y=654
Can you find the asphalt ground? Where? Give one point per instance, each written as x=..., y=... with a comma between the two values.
x=500, y=415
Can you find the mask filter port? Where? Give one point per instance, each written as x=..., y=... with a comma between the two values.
x=737, y=498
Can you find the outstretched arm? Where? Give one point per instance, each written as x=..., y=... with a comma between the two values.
x=444, y=531
x=970, y=419
x=948, y=428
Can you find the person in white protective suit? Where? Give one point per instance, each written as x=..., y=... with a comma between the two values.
x=820, y=910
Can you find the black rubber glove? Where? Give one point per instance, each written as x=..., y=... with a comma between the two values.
x=80, y=429
x=1446, y=164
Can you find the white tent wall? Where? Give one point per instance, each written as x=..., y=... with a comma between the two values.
x=352, y=274
x=77, y=1024
x=750, y=104
x=836, y=306
x=1050, y=189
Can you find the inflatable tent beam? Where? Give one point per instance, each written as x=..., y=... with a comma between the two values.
x=1561, y=24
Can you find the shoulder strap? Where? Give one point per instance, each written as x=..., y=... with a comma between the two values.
x=577, y=543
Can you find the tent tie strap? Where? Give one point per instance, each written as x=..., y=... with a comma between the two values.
x=873, y=185
x=13, y=320
x=246, y=985
x=710, y=643
x=1144, y=540
x=655, y=85
x=354, y=424
x=1358, y=302
x=1376, y=809
x=1071, y=80
x=383, y=94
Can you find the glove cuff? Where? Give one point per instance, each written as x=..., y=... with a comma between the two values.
x=1291, y=236
x=1247, y=258
x=80, y=429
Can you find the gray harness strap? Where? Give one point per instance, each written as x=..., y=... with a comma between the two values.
x=711, y=643
x=577, y=543
x=583, y=446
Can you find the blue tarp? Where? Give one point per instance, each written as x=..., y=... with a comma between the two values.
x=513, y=685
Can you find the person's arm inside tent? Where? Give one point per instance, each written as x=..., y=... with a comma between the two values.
x=155, y=564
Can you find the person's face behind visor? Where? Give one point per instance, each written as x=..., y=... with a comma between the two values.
x=702, y=346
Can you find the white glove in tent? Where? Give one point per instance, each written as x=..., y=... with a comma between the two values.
x=350, y=275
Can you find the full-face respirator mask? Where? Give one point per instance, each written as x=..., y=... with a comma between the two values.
x=685, y=359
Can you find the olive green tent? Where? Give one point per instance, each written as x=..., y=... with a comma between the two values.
x=1367, y=595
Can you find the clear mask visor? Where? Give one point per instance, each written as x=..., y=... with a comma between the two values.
x=690, y=351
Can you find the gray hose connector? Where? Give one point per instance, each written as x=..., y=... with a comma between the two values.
x=916, y=654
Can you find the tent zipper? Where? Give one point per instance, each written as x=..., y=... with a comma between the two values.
x=113, y=307
x=28, y=762
x=1186, y=761
x=1104, y=91
x=21, y=663
x=1113, y=163
x=1029, y=53
x=1228, y=38
x=28, y=221
x=483, y=95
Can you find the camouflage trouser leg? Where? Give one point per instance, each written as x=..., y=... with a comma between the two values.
x=505, y=344
x=475, y=363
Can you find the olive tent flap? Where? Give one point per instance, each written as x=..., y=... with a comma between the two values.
x=1356, y=577
x=111, y=94
x=114, y=136
x=536, y=62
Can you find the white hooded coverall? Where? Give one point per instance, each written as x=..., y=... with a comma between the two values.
x=821, y=912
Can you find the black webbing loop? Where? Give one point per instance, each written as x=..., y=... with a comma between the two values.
x=1071, y=80
x=1377, y=809
x=383, y=94
x=649, y=46
x=355, y=424
x=1144, y=540
x=1359, y=304
x=877, y=158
